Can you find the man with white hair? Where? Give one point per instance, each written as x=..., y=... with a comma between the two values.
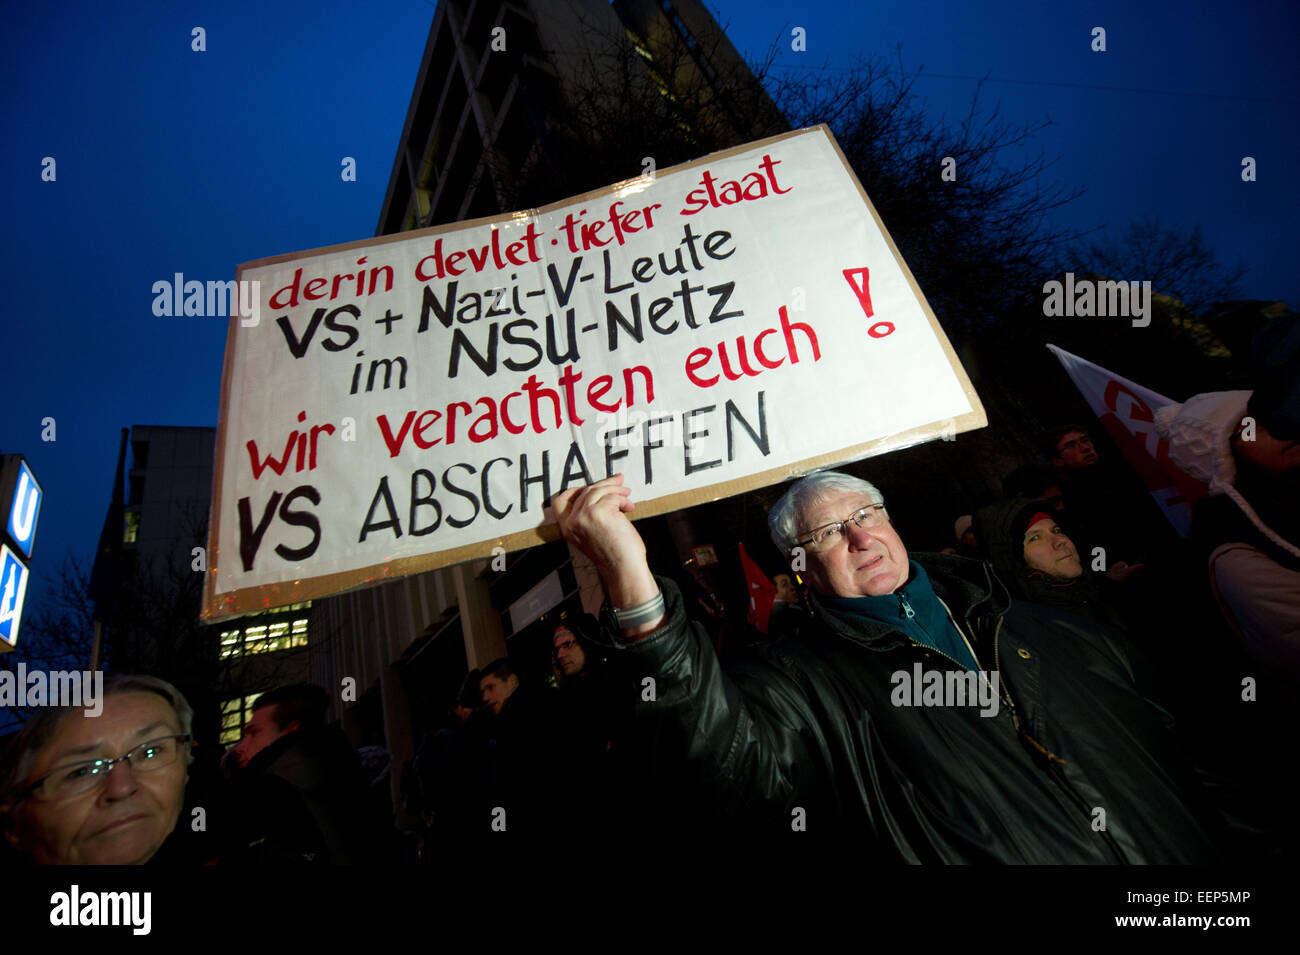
x=920, y=707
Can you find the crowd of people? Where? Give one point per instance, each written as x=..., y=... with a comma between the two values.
x=525, y=756
x=1083, y=758
x=1127, y=679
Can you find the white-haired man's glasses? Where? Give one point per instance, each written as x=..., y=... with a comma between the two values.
x=873, y=515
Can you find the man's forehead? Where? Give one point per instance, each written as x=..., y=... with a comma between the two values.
x=1043, y=524
x=835, y=507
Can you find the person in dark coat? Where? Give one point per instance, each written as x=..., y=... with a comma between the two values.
x=453, y=766
x=1038, y=562
x=1110, y=509
x=523, y=743
x=926, y=714
x=594, y=709
x=788, y=609
x=298, y=792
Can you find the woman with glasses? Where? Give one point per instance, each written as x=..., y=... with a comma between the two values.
x=77, y=789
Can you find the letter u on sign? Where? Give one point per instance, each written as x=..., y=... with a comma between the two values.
x=24, y=510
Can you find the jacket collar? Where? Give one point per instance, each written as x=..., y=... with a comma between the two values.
x=272, y=753
x=891, y=610
x=974, y=595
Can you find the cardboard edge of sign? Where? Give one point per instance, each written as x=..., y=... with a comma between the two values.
x=217, y=607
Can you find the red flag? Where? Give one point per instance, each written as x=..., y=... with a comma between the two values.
x=1127, y=410
x=762, y=592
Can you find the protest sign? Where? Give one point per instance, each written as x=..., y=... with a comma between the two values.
x=407, y=402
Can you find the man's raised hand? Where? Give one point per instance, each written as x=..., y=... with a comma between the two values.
x=594, y=518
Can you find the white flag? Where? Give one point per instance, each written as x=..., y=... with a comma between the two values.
x=1127, y=411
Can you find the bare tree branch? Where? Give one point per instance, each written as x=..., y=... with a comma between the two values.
x=1175, y=262
x=979, y=244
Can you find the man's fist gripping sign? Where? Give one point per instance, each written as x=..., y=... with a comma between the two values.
x=594, y=519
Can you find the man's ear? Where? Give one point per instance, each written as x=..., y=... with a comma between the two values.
x=1058, y=462
x=293, y=726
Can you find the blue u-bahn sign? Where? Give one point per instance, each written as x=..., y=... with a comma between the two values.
x=20, y=496
x=24, y=509
x=13, y=587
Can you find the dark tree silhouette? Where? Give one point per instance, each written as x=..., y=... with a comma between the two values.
x=1176, y=262
x=978, y=241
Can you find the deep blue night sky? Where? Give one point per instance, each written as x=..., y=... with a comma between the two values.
x=170, y=160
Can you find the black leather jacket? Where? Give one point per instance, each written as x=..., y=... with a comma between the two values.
x=807, y=723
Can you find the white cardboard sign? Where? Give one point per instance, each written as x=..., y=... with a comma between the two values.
x=408, y=402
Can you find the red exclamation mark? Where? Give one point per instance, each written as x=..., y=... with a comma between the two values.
x=863, y=292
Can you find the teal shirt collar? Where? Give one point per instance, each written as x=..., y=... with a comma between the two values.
x=914, y=609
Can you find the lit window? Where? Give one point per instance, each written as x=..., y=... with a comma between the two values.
x=265, y=638
x=235, y=714
x=277, y=637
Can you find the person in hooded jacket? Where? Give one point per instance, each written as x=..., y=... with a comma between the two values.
x=1038, y=562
